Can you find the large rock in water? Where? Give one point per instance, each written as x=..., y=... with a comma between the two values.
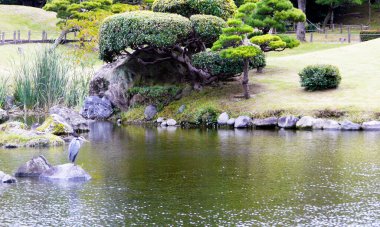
x=243, y=122
x=266, y=123
x=96, y=108
x=65, y=172
x=349, y=126
x=288, y=122
x=7, y=179
x=73, y=118
x=15, y=134
x=305, y=123
x=33, y=168
x=56, y=125
x=371, y=126
x=223, y=118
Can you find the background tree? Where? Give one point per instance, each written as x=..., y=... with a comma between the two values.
x=301, y=30
x=274, y=14
x=334, y=4
x=84, y=17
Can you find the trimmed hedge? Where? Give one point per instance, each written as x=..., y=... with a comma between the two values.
x=133, y=29
x=220, y=8
x=208, y=27
x=369, y=35
x=213, y=63
x=320, y=77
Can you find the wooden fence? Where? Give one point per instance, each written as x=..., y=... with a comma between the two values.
x=17, y=37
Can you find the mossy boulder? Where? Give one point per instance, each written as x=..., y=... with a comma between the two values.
x=13, y=125
x=15, y=134
x=56, y=125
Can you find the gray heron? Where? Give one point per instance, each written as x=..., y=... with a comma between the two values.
x=74, y=147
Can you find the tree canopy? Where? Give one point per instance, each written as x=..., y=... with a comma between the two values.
x=220, y=8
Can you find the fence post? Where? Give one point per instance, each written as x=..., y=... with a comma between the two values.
x=3, y=37
x=29, y=35
x=311, y=37
x=75, y=34
x=361, y=27
x=14, y=37
x=349, y=34
x=19, y=36
x=325, y=34
x=333, y=27
x=341, y=28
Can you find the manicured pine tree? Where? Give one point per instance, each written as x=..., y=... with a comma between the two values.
x=234, y=43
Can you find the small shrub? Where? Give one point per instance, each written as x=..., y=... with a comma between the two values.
x=159, y=96
x=224, y=68
x=207, y=116
x=328, y=113
x=369, y=35
x=320, y=77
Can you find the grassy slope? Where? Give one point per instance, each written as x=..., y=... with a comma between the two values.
x=278, y=87
x=359, y=15
x=26, y=18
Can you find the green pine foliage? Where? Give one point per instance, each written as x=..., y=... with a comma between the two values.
x=133, y=29
x=274, y=14
x=220, y=8
x=207, y=27
x=224, y=68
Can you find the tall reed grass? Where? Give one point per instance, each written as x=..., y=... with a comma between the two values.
x=48, y=78
x=3, y=90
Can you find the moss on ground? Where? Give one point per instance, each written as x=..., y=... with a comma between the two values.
x=23, y=138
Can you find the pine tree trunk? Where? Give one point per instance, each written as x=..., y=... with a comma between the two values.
x=245, y=79
x=328, y=17
x=301, y=31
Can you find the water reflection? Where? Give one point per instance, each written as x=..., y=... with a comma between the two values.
x=158, y=176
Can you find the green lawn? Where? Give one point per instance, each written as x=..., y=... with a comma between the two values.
x=277, y=90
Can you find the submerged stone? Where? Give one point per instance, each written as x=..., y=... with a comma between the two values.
x=33, y=168
x=371, y=126
x=331, y=125
x=305, y=123
x=231, y=122
x=243, y=122
x=65, y=172
x=349, y=126
x=171, y=122
x=266, y=123
x=288, y=122
x=223, y=118
x=6, y=178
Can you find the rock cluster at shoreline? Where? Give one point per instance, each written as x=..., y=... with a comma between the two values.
x=286, y=122
x=293, y=122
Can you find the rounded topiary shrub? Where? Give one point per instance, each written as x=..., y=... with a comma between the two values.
x=320, y=77
x=224, y=68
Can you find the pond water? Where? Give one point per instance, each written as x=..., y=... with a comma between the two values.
x=155, y=176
